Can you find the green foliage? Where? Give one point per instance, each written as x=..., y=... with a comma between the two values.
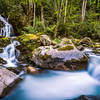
x=21, y=16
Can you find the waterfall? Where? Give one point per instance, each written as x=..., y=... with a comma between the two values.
x=6, y=30
x=94, y=66
x=10, y=53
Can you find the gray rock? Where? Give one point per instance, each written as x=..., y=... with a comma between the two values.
x=45, y=40
x=8, y=80
x=47, y=57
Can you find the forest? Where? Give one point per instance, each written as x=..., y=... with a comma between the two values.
x=77, y=18
x=49, y=49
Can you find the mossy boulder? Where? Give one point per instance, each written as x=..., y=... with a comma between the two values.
x=50, y=58
x=4, y=41
x=28, y=42
x=86, y=42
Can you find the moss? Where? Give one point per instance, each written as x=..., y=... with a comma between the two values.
x=57, y=40
x=76, y=42
x=4, y=41
x=97, y=45
x=45, y=57
x=97, y=51
x=68, y=47
x=29, y=42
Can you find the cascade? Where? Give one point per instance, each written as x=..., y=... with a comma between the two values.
x=10, y=53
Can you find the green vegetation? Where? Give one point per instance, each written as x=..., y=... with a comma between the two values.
x=4, y=41
x=77, y=18
x=68, y=47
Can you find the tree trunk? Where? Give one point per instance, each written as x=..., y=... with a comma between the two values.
x=55, y=5
x=84, y=9
x=65, y=11
x=34, y=15
x=58, y=18
x=58, y=22
x=27, y=10
x=42, y=17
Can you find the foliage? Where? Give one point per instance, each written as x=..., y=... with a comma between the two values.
x=50, y=13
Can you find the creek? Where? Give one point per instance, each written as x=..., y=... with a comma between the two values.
x=50, y=85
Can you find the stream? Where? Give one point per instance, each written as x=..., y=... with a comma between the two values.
x=51, y=85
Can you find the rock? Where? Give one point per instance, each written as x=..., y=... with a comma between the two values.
x=8, y=80
x=32, y=70
x=97, y=45
x=88, y=98
x=65, y=44
x=45, y=40
x=87, y=42
x=1, y=50
x=2, y=61
x=47, y=57
x=28, y=42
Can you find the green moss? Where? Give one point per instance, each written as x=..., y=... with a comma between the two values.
x=97, y=45
x=29, y=42
x=4, y=41
x=96, y=51
x=58, y=40
x=76, y=42
x=45, y=57
x=68, y=47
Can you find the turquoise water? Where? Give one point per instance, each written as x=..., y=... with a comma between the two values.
x=55, y=85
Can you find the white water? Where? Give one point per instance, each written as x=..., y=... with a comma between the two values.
x=7, y=30
x=10, y=53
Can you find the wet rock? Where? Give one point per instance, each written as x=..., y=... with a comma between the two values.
x=16, y=70
x=8, y=80
x=32, y=70
x=88, y=98
x=87, y=42
x=1, y=50
x=45, y=40
x=2, y=61
x=47, y=57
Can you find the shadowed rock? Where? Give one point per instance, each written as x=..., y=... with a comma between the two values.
x=8, y=80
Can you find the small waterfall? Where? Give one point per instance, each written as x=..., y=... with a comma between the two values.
x=94, y=66
x=10, y=53
x=6, y=30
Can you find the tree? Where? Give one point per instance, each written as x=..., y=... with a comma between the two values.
x=83, y=9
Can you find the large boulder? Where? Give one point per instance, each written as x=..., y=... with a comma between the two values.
x=66, y=57
x=8, y=80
